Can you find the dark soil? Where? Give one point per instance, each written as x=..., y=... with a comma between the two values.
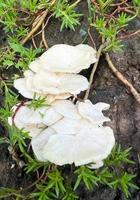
x=124, y=111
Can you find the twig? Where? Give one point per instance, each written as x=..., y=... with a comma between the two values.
x=122, y=79
x=94, y=70
x=118, y=4
x=130, y=34
x=47, y=21
x=43, y=36
x=35, y=28
x=91, y=38
x=34, y=183
x=41, y=44
x=34, y=44
x=138, y=158
x=41, y=20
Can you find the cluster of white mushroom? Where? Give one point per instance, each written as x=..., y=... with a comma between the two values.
x=63, y=132
x=54, y=73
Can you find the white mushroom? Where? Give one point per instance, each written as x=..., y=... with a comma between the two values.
x=51, y=116
x=66, y=108
x=56, y=83
x=39, y=142
x=55, y=72
x=78, y=138
x=51, y=98
x=28, y=119
x=93, y=112
x=21, y=85
x=63, y=133
x=65, y=58
x=46, y=83
x=83, y=148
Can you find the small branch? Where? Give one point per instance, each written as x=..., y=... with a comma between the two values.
x=91, y=38
x=34, y=44
x=43, y=37
x=130, y=34
x=123, y=79
x=94, y=70
x=47, y=21
x=41, y=20
x=118, y=4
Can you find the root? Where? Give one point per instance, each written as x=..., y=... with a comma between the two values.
x=123, y=79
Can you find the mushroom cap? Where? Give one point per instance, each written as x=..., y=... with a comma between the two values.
x=29, y=115
x=93, y=112
x=28, y=92
x=65, y=58
x=39, y=142
x=67, y=126
x=51, y=98
x=78, y=139
x=94, y=146
x=64, y=133
x=81, y=149
x=51, y=116
x=21, y=86
x=29, y=119
x=45, y=83
x=35, y=65
x=56, y=83
x=66, y=108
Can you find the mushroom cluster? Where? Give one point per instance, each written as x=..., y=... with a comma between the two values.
x=54, y=74
x=63, y=132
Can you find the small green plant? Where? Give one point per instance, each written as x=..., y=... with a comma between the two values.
x=104, y=4
x=37, y=102
x=10, y=100
x=109, y=31
x=118, y=156
x=66, y=14
x=110, y=24
x=25, y=55
x=70, y=196
x=86, y=176
x=108, y=175
x=4, y=140
x=43, y=193
x=34, y=165
x=124, y=182
x=9, y=192
x=55, y=184
x=18, y=137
